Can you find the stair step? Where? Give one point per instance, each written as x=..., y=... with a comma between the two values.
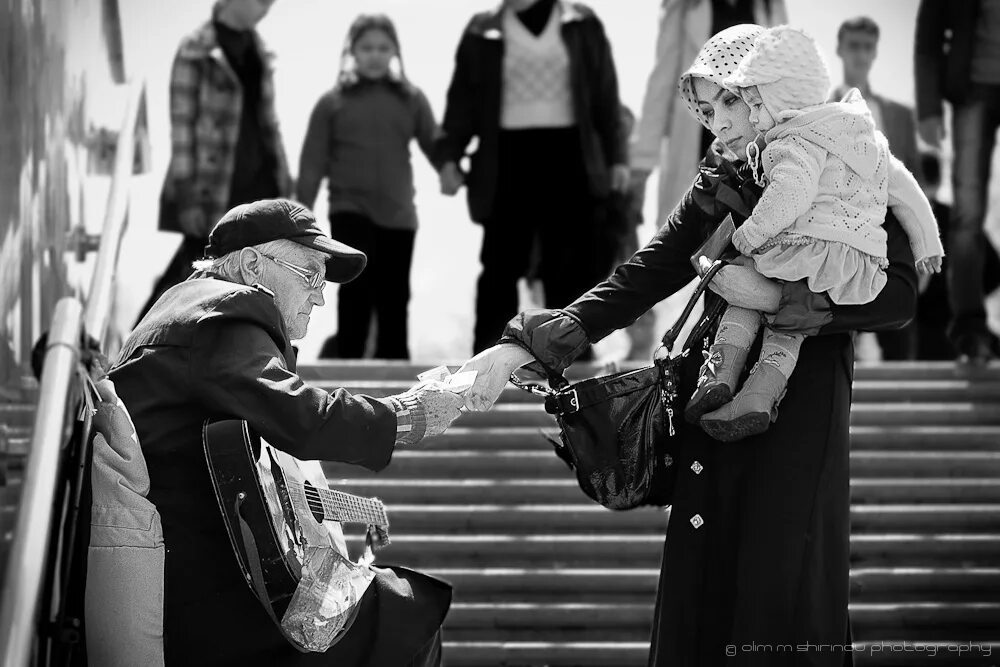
x=566, y=490
x=868, y=584
x=632, y=621
x=862, y=414
x=523, y=549
x=17, y=415
x=561, y=518
x=14, y=449
x=516, y=615
x=345, y=370
x=543, y=463
x=553, y=653
x=864, y=391
x=964, y=438
x=878, y=653
x=922, y=548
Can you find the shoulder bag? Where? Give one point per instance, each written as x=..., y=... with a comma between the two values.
x=617, y=431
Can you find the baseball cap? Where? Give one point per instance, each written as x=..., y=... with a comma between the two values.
x=274, y=219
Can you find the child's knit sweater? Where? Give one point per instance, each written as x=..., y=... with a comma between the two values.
x=830, y=176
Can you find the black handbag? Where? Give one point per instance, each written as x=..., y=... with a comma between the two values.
x=616, y=431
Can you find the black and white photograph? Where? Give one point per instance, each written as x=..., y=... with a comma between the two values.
x=515, y=333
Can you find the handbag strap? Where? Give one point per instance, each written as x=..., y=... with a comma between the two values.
x=670, y=337
x=557, y=381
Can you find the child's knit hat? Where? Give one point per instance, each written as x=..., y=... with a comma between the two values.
x=787, y=68
x=716, y=61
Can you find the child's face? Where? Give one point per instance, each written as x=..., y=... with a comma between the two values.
x=760, y=117
x=373, y=51
x=727, y=115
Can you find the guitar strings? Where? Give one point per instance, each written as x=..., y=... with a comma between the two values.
x=372, y=509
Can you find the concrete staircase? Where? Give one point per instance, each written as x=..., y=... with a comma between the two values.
x=543, y=576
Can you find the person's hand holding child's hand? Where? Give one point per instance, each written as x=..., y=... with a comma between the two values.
x=451, y=179
x=929, y=265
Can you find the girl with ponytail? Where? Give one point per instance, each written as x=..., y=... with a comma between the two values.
x=359, y=140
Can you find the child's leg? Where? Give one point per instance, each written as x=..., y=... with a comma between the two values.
x=392, y=292
x=756, y=405
x=724, y=361
x=356, y=299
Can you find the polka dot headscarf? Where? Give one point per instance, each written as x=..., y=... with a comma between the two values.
x=716, y=61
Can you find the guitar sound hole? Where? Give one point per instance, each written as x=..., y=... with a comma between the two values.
x=314, y=502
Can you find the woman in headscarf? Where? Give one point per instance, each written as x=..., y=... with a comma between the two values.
x=758, y=544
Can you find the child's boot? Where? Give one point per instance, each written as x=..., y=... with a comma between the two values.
x=752, y=410
x=716, y=380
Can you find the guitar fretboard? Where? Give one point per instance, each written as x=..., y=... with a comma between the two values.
x=340, y=506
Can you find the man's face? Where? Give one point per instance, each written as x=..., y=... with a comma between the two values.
x=373, y=51
x=293, y=295
x=858, y=50
x=248, y=13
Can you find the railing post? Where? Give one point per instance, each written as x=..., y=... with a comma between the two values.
x=102, y=283
x=28, y=560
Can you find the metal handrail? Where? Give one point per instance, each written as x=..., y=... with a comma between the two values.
x=28, y=555
x=102, y=284
x=26, y=568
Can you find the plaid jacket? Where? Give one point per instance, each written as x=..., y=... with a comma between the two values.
x=205, y=105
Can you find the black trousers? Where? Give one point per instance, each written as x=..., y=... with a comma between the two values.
x=542, y=193
x=382, y=290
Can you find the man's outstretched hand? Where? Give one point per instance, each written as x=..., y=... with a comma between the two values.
x=441, y=405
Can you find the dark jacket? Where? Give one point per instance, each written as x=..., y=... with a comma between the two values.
x=214, y=349
x=758, y=543
x=359, y=140
x=474, y=98
x=206, y=102
x=943, y=46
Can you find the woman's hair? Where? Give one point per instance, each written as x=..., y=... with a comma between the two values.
x=227, y=267
x=348, y=76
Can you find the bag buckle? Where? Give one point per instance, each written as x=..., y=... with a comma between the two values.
x=563, y=402
x=574, y=400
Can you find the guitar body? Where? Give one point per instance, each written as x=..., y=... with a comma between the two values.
x=275, y=508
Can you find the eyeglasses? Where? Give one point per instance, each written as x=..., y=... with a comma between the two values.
x=314, y=279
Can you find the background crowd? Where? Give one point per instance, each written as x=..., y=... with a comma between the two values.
x=446, y=251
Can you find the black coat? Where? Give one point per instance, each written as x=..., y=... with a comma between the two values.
x=474, y=98
x=770, y=561
x=213, y=349
x=943, y=46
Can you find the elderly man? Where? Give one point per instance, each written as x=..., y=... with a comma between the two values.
x=219, y=346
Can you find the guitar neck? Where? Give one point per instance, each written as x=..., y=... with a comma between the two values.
x=348, y=508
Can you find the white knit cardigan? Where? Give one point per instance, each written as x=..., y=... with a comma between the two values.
x=830, y=176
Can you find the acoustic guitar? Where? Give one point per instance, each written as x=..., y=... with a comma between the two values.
x=278, y=511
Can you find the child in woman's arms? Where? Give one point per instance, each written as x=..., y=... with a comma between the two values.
x=829, y=178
